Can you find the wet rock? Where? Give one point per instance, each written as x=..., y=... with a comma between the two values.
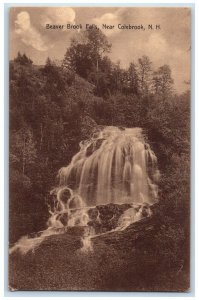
x=63, y=218
x=94, y=146
x=76, y=231
x=89, y=150
x=137, y=233
x=64, y=195
x=105, y=217
x=93, y=213
x=98, y=143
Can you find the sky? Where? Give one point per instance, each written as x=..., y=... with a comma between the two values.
x=168, y=45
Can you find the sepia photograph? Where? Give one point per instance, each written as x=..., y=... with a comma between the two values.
x=99, y=148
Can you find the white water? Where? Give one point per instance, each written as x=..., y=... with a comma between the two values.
x=114, y=166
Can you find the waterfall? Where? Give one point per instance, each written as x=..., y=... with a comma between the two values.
x=115, y=166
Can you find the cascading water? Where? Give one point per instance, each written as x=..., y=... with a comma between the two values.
x=115, y=166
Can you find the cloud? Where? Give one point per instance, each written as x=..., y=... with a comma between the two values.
x=30, y=26
x=166, y=46
x=58, y=15
x=163, y=52
x=108, y=19
x=28, y=33
x=159, y=50
x=157, y=47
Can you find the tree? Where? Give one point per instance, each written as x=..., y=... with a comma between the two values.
x=162, y=80
x=23, y=149
x=78, y=58
x=102, y=78
x=84, y=55
x=23, y=59
x=98, y=44
x=133, y=80
x=18, y=59
x=56, y=81
x=49, y=66
x=144, y=74
x=118, y=78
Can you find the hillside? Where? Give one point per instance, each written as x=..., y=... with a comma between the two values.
x=52, y=109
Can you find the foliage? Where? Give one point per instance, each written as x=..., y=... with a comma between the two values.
x=85, y=55
x=23, y=59
x=163, y=80
x=53, y=108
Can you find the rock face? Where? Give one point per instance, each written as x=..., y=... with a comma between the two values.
x=131, y=236
x=60, y=264
x=105, y=217
x=100, y=257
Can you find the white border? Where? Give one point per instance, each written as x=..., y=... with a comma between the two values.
x=1, y=152
x=100, y=2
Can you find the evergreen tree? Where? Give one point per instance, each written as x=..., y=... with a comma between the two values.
x=133, y=80
x=162, y=80
x=23, y=59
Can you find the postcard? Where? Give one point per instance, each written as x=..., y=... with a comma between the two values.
x=99, y=157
